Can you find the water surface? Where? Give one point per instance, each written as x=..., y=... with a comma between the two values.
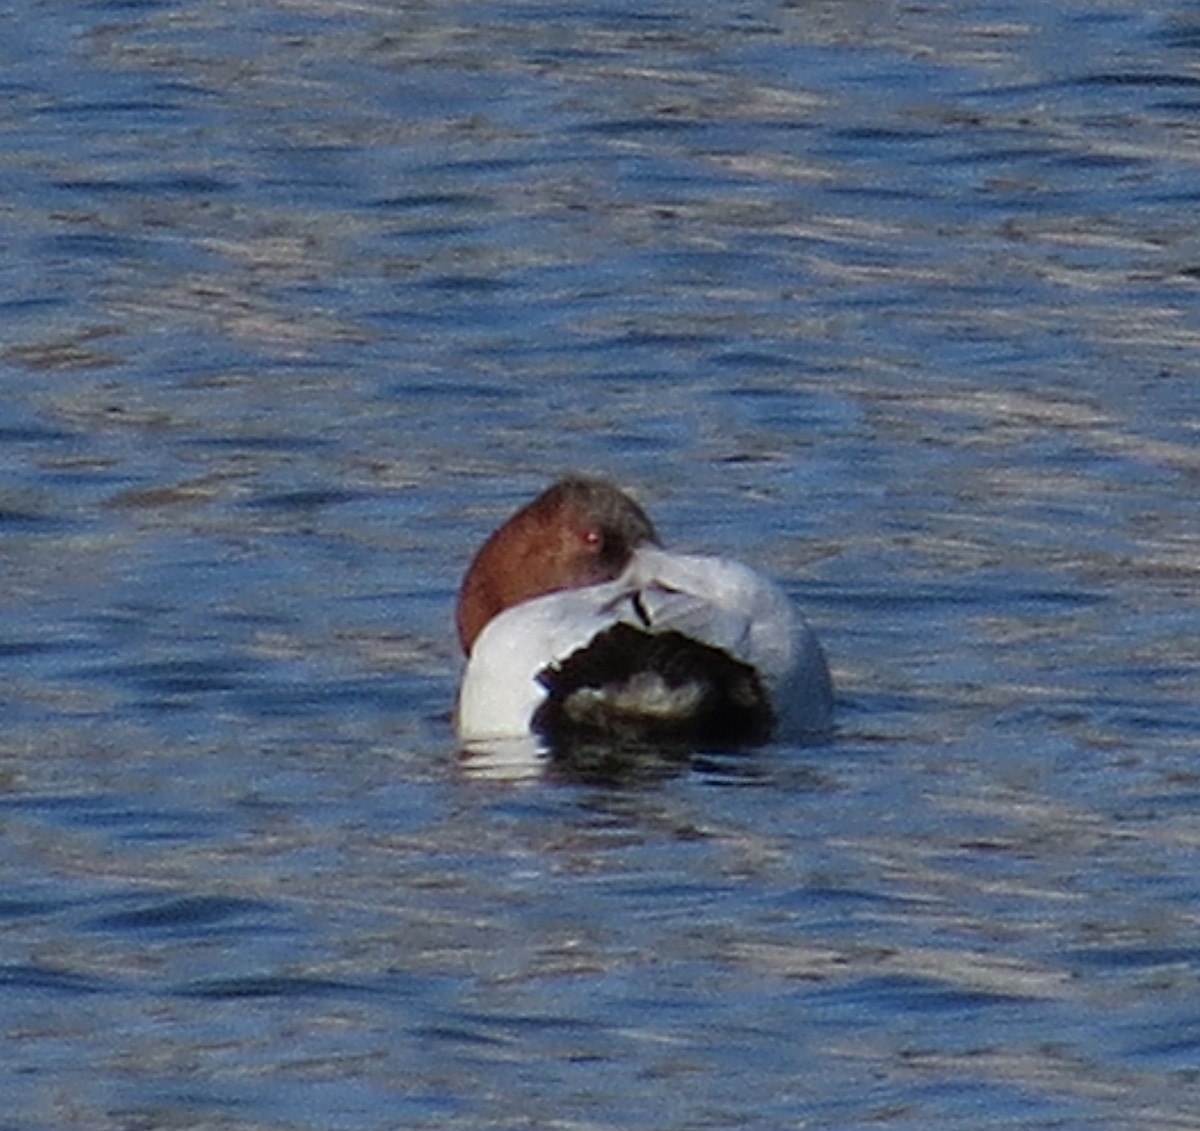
x=898, y=302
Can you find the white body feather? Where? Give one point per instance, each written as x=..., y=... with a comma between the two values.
x=718, y=602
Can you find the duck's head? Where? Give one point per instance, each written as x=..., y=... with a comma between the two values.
x=581, y=531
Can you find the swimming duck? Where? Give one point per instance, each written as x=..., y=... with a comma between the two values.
x=578, y=625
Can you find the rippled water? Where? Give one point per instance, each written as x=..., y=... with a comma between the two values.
x=897, y=301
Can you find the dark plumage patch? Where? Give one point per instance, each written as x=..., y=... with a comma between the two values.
x=630, y=687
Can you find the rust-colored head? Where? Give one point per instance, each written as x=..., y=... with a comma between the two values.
x=579, y=532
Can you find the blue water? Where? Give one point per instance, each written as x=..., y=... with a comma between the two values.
x=897, y=302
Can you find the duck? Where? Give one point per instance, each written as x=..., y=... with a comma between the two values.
x=577, y=625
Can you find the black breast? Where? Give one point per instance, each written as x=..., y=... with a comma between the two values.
x=653, y=688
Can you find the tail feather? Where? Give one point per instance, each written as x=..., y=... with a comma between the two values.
x=632, y=686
